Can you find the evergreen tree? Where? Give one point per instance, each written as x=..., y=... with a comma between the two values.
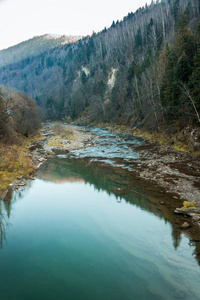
x=182, y=36
x=83, y=77
x=168, y=88
x=131, y=71
x=189, y=11
x=175, y=8
x=138, y=38
x=183, y=69
x=73, y=110
x=178, y=70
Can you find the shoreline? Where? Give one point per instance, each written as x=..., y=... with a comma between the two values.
x=42, y=148
x=169, y=168
x=160, y=166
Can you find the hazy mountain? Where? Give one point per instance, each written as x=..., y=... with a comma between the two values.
x=34, y=47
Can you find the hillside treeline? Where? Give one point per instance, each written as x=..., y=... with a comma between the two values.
x=19, y=116
x=142, y=71
x=33, y=47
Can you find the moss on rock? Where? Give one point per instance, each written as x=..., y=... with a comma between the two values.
x=187, y=204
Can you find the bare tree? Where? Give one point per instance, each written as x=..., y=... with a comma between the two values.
x=186, y=91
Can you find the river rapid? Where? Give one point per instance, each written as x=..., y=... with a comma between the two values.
x=87, y=228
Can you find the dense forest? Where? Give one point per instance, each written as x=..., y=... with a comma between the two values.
x=142, y=71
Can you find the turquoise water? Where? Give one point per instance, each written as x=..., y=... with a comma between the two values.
x=70, y=236
x=110, y=148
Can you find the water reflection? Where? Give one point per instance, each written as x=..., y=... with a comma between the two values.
x=123, y=185
x=4, y=215
x=6, y=209
x=113, y=180
x=100, y=237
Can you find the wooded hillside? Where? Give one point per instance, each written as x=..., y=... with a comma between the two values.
x=33, y=47
x=142, y=71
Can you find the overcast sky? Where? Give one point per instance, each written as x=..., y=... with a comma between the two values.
x=23, y=19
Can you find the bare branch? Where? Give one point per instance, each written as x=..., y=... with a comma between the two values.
x=185, y=90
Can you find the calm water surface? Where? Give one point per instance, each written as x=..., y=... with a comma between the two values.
x=69, y=236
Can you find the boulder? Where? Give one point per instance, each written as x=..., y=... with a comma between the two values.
x=185, y=225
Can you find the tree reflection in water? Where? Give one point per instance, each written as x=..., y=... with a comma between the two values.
x=113, y=180
x=5, y=209
x=125, y=186
x=4, y=215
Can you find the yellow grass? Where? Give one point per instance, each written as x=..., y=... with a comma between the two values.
x=14, y=162
x=55, y=141
x=162, y=138
x=177, y=142
x=187, y=204
x=61, y=133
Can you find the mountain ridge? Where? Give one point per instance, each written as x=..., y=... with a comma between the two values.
x=33, y=47
x=142, y=71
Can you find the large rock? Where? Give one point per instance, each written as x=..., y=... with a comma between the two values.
x=185, y=225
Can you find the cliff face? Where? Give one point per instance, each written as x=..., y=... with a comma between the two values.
x=142, y=71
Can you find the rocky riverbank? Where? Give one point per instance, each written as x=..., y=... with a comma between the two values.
x=167, y=168
x=176, y=172
x=70, y=138
x=160, y=166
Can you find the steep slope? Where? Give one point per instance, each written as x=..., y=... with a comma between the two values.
x=34, y=47
x=131, y=72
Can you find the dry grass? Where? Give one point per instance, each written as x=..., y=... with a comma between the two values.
x=55, y=142
x=62, y=133
x=14, y=162
x=177, y=141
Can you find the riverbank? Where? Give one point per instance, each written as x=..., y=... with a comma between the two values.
x=18, y=163
x=174, y=168
x=15, y=162
x=160, y=166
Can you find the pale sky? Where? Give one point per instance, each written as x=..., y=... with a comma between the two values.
x=21, y=20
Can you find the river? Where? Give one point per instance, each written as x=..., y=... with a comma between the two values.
x=86, y=229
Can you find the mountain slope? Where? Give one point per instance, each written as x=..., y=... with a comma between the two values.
x=142, y=71
x=33, y=47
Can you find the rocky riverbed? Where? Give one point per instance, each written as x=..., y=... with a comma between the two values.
x=161, y=167
x=50, y=142
x=178, y=173
x=44, y=147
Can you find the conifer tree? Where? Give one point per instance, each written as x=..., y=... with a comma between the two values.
x=183, y=69
x=138, y=38
x=168, y=97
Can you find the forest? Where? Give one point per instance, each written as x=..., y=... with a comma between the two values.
x=143, y=71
